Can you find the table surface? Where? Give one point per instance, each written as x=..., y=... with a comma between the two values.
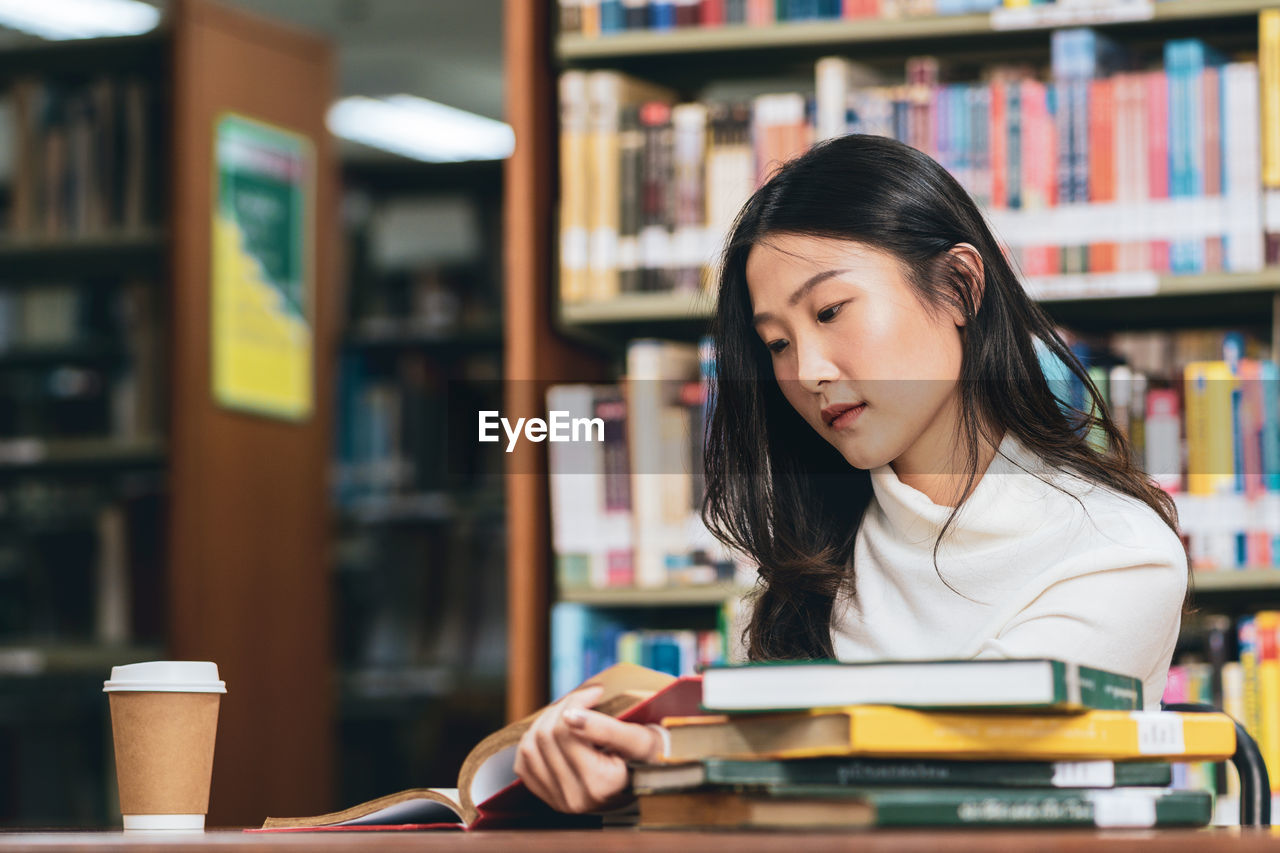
x=878, y=841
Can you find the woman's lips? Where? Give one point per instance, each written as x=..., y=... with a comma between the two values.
x=841, y=416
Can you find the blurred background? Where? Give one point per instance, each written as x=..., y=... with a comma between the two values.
x=284, y=488
x=109, y=520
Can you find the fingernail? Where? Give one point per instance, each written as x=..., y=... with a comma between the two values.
x=575, y=717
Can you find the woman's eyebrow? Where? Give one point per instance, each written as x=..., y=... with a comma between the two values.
x=799, y=293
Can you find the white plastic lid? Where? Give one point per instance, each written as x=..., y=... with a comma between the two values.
x=166, y=676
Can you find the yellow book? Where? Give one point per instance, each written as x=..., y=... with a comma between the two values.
x=1233, y=705
x=1249, y=676
x=1210, y=434
x=1268, y=668
x=1269, y=72
x=881, y=730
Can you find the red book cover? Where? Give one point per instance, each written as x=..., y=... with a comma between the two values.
x=712, y=13
x=1101, y=163
x=1124, y=168
x=999, y=138
x=1038, y=175
x=760, y=13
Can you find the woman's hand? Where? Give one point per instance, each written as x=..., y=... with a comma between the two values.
x=576, y=759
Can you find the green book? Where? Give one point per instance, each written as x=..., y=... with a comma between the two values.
x=716, y=772
x=1040, y=684
x=839, y=806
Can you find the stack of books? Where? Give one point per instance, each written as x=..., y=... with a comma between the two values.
x=927, y=743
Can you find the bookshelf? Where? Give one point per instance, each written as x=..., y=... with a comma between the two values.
x=186, y=529
x=1243, y=580
x=692, y=596
x=556, y=341
x=612, y=48
x=418, y=522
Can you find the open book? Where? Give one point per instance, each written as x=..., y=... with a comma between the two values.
x=489, y=794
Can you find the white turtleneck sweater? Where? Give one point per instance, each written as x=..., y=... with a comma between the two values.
x=1033, y=573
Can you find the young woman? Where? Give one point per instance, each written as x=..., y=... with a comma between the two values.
x=885, y=446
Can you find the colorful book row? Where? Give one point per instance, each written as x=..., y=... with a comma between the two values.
x=1084, y=167
x=593, y=18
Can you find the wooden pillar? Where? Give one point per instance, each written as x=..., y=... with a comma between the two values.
x=536, y=356
x=249, y=533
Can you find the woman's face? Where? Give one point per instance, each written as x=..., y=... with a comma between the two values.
x=862, y=360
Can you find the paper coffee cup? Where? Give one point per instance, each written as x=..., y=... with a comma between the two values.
x=164, y=720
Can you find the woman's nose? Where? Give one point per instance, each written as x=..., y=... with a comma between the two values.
x=814, y=366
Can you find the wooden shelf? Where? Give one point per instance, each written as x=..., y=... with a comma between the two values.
x=638, y=308
x=421, y=508
x=573, y=48
x=677, y=596
x=51, y=356
x=56, y=659
x=136, y=253
x=1235, y=580
x=466, y=339
x=79, y=455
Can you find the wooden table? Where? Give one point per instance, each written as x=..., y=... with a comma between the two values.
x=587, y=841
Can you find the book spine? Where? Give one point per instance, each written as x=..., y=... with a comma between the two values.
x=1211, y=141
x=1005, y=808
x=574, y=188
x=1079, y=260
x=869, y=771
x=1107, y=690
x=689, y=123
x=635, y=15
x=1157, y=124
x=1269, y=67
x=1268, y=675
x=631, y=152
x=999, y=135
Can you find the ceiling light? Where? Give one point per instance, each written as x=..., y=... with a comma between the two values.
x=421, y=129
x=78, y=19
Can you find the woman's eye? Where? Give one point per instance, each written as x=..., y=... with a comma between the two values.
x=776, y=347
x=826, y=315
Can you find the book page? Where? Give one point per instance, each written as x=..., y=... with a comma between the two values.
x=412, y=811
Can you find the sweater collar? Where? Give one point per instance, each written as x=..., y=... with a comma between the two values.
x=1000, y=505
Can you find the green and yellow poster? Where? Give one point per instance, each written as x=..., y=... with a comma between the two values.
x=263, y=290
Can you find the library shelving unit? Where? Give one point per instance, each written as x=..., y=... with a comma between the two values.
x=550, y=343
x=420, y=561
x=227, y=559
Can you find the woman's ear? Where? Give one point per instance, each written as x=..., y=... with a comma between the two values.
x=968, y=264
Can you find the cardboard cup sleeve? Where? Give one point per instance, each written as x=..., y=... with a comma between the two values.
x=164, y=750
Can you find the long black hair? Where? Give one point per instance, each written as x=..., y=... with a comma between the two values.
x=788, y=500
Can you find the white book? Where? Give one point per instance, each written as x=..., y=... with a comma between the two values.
x=1241, y=148
x=657, y=437
x=583, y=528
x=835, y=80
x=1042, y=684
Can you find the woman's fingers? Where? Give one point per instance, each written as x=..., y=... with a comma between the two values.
x=532, y=769
x=539, y=762
x=632, y=741
x=547, y=734
x=603, y=775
